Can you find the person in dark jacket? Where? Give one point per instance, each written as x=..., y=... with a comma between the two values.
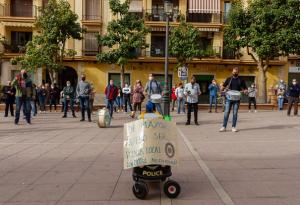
x=53, y=97
x=294, y=92
x=9, y=98
x=111, y=93
x=68, y=98
x=83, y=92
x=42, y=95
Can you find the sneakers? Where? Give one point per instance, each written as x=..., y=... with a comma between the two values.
x=234, y=129
x=249, y=111
x=187, y=123
x=223, y=129
x=255, y=111
x=196, y=123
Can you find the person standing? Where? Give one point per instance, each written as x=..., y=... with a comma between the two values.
x=34, y=100
x=192, y=91
x=173, y=97
x=24, y=93
x=252, y=97
x=83, y=93
x=153, y=87
x=53, y=98
x=233, y=83
x=9, y=98
x=179, y=92
x=138, y=97
x=111, y=93
x=42, y=95
x=92, y=97
x=68, y=95
x=280, y=97
x=294, y=92
x=213, y=94
x=127, y=97
x=57, y=91
x=119, y=99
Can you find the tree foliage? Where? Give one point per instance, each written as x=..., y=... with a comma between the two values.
x=124, y=35
x=267, y=29
x=56, y=24
x=184, y=43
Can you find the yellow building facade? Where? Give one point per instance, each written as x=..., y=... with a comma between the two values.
x=209, y=16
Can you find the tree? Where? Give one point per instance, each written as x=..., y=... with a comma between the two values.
x=56, y=24
x=267, y=29
x=184, y=43
x=124, y=35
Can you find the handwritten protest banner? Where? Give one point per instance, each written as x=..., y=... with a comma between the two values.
x=150, y=142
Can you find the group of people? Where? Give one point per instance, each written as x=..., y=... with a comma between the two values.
x=28, y=97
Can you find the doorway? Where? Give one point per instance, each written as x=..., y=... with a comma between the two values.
x=67, y=74
x=204, y=81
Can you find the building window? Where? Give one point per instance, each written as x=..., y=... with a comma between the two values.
x=90, y=46
x=45, y=2
x=227, y=7
x=116, y=77
x=158, y=41
x=19, y=41
x=22, y=8
x=92, y=10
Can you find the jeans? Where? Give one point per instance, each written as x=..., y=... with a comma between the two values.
x=119, y=101
x=110, y=106
x=158, y=108
x=252, y=100
x=42, y=100
x=228, y=105
x=180, y=104
x=9, y=105
x=127, y=102
x=33, y=107
x=52, y=102
x=280, y=103
x=194, y=107
x=66, y=103
x=26, y=103
x=85, y=105
x=212, y=100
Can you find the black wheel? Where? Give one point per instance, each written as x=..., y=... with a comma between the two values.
x=140, y=190
x=171, y=189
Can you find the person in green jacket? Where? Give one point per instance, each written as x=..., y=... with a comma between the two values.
x=24, y=94
x=69, y=96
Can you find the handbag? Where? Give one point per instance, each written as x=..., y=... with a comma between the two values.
x=232, y=95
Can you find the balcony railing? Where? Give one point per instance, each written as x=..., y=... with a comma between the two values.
x=88, y=17
x=159, y=15
x=90, y=52
x=204, y=18
x=228, y=54
x=18, y=10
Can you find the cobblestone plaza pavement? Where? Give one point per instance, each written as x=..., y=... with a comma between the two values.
x=66, y=162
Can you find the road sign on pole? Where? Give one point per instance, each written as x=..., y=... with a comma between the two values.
x=183, y=73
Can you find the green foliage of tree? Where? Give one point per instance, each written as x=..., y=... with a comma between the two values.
x=56, y=24
x=267, y=29
x=184, y=43
x=124, y=35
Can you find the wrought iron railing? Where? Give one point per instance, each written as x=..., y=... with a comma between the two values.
x=18, y=10
x=158, y=14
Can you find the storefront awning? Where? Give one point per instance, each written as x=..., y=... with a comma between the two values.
x=18, y=24
x=204, y=6
x=136, y=6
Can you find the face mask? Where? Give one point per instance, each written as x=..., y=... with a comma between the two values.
x=294, y=83
x=68, y=84
x=235, y=74
x=25, y=75
x=252, y=86
x=83, y=78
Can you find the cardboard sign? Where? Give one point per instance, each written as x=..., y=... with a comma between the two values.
x=149, y=142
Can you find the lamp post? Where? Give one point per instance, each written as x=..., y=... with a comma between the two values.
x=166, y=92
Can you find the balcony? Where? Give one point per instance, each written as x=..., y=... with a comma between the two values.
x=204, y=18
x=158, y=14
x=18, y=10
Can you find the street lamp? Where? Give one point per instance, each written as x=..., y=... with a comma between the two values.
x=166, y=92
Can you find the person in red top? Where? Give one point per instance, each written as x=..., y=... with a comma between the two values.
x=173, y=97
x=111, y=93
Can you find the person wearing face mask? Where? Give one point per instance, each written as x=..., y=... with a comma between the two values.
x=68, y=94
x=153, y=88
x=53, y=97
x=192, y=91
x=42, y=95
x=127, y=97
x=237, y=85
x=83, y=93
x=213, y=93
x=9, y=98
x=252, y=97
x=294, y=92
x=24, y=94
x=111, y=93
x=179, y=92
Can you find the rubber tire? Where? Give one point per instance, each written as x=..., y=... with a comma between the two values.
x=175, y=185
x=140, y=190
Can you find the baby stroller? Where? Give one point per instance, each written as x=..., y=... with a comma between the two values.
x=154, y=173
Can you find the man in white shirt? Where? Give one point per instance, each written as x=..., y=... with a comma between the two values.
x=192, y=91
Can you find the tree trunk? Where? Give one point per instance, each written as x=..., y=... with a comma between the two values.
x=51, y=75
x=62, y=52
x=262, y=83
x=122, y=76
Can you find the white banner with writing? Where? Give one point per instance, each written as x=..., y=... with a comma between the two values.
x=149, y=142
